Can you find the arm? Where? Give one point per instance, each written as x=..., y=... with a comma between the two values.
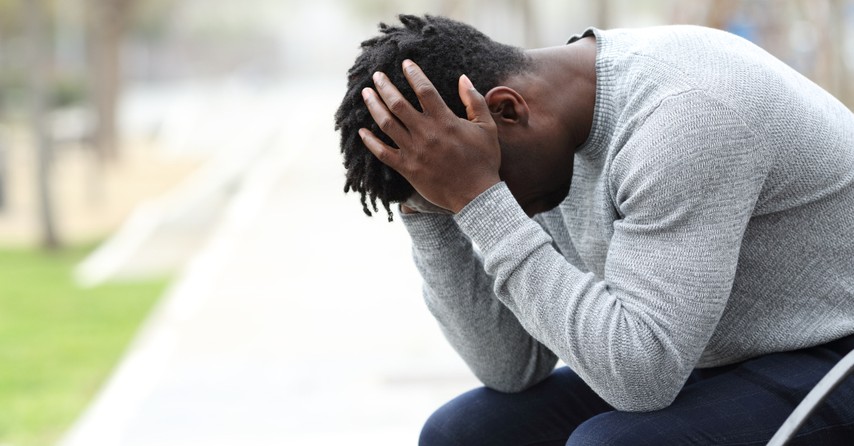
x=459, y=294
x=482, y=330
x=686, y=196
x=635, y=336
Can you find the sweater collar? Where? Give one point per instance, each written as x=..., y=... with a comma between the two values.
x=604, y=113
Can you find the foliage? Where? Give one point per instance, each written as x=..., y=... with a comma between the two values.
x=58, y=342
x=67, y=91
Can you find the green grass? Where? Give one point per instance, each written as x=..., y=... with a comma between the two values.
x=58, y=342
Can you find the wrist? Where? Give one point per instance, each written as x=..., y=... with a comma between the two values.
x=475, y=192
x=404, y=209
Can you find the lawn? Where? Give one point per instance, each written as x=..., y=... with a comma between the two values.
x=58, y=342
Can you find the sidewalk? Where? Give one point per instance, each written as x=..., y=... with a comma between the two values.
x=301, y=323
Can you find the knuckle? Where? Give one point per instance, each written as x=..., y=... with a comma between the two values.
x=423, y=88
x=432, y=139
x=397, y=105
x=412, y=170
x=379, y=81
x=382, y=155
x=386, y=124
x=449, y=124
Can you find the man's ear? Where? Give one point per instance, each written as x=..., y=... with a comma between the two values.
x=507, y=105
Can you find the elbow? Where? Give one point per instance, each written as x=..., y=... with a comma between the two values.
x=508, y=387
x=520, y=376
x=645, y=404
x=512, y=383
x=642, y=397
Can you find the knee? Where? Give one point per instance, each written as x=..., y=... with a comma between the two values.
x=608, y=429
x=455, y=423
x=435, y=431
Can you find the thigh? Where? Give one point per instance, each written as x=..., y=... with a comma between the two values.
x=543, y=415
x=743, y=406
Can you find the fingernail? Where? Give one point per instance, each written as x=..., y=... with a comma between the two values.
x=366, y=92
x=377, y=76
x=467, y=82
x=362, y=133
x=407, y=63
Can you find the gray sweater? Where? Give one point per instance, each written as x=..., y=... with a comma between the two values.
x=710, y=220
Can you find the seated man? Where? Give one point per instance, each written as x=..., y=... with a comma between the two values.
x=669, y=211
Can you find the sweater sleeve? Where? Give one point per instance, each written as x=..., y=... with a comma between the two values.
x=458, y=292
x=685, y=185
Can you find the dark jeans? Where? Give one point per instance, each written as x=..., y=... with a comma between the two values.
x=740, y=404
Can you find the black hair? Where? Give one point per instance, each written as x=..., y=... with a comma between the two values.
x=444, y=49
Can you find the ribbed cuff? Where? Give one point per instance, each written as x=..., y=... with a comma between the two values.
x=432, y=231
x=491, y=216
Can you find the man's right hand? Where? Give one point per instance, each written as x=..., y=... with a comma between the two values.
x=449, y=160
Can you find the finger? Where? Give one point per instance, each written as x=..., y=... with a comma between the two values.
x=393, y=100
x=386, y=154
x=386, y=121
x=476, y=108
x=430, y=99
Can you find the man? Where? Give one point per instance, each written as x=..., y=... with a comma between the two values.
x=669, y=211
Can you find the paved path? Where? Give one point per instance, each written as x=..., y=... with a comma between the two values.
x=301, y=323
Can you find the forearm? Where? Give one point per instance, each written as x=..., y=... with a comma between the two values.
x=633, y=345
x=636, y=328
x=458, y=292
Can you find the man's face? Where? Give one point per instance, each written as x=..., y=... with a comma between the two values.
x=534, y=200
x=537, y=171
x=534, y=165
x=530, y=199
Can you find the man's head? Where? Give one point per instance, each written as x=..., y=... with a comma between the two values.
x=444, y=49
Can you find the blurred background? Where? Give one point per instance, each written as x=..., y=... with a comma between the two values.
x=178, y=263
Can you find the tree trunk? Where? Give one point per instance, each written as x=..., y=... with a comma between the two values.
x=39, y=66
x=3, y=172
x=720, y=12
x=107, y=22
x=839, y=37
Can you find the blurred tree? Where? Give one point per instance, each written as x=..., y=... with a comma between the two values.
x=107, y=23
x=151, y=19
x=720, y=13
x=6, y=6
x=10, y=27
x=809, y=35
x=836, y=38
x=39, y=66
x=842, y=14
x=3, y=172
x=10, y=23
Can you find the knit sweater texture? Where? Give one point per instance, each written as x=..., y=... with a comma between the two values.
x=710, y=220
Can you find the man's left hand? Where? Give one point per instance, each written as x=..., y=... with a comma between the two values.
x=448, y=160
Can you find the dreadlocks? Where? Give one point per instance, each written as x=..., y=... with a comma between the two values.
x=444, y=49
